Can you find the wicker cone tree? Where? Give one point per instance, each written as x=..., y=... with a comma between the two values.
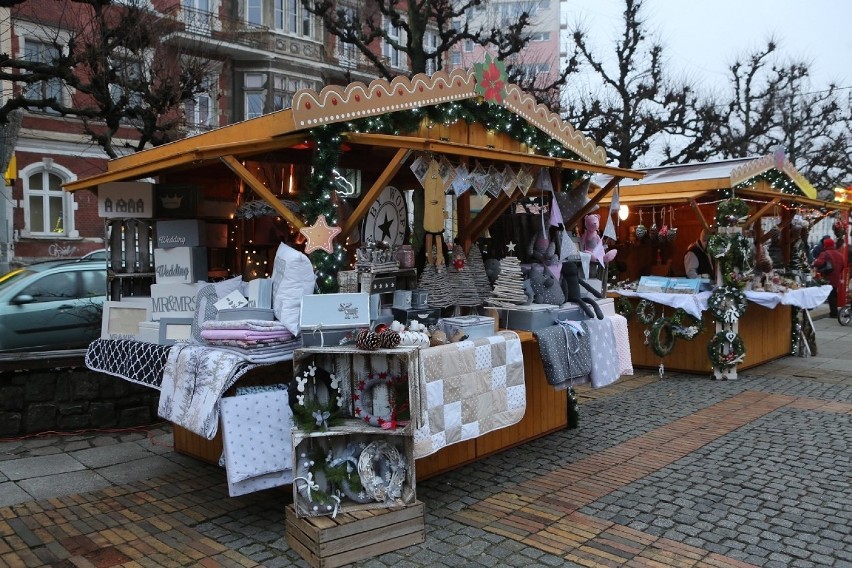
x=461, y=279
x=509, y=288
x=477, y=269
x=439, y=291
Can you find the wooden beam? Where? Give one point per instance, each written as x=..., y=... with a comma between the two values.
x=700, y=215
x=368, y=198
x=485, y=153
x=245, y=175
x=572, y=222
x=759, y=213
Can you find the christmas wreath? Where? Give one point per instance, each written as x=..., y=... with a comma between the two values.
x=312, y=485
x=726, y=350
x=660, y=331
x=727, y=304
x=382, y=471
x=645, y=311
x=623, y=307
x=731, y=212
x=686, y=326
x=342, y=472
x=312, y=400
x=398, y=407
x=718, y=246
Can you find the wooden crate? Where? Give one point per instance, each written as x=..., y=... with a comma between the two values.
x=327, y=542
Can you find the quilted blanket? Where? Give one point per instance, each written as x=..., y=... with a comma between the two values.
x=468, y=389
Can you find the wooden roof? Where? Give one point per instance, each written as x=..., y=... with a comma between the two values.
x=334, y=104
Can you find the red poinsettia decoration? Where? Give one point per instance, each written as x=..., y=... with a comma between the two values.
x=491, y=79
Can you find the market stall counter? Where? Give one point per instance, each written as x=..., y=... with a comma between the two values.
x=766, y=329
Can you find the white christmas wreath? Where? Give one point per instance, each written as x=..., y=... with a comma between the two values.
x=382, y=471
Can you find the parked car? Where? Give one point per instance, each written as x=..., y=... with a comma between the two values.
x=100, y=254
x=52, y=305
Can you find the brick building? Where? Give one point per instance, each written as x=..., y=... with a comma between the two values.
x=262, y=52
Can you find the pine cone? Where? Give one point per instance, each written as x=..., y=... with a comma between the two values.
x=389, y=339
x=367, y=340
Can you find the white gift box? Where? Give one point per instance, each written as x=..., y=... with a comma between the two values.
x=126, y=200
x=180, y=265
x=335, y=311
x=173, y=300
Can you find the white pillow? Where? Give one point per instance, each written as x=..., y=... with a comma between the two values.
x=292, y=277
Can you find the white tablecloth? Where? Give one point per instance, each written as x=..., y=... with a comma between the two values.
x=694, y=304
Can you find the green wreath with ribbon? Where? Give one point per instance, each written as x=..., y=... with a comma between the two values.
x=686, y=326
x=645, y=311
x=731, y=212
x=313, y=399
x=662, y=327
x=718, y=246
x=726, y=350
x=623, y=306
x=727, y=304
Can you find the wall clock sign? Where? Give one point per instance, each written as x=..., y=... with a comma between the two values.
x=387, y=219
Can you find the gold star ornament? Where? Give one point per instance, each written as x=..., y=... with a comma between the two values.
x=320, y=236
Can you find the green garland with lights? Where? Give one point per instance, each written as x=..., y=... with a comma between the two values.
x=317, y=200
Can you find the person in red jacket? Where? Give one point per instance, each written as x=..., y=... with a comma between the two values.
x=835, y=278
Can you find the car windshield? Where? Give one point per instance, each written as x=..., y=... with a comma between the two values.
x=13, y=276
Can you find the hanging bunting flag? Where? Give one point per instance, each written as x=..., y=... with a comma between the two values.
x=508, y=181
x=543, y=182
x=419, y=167
x=524, y=179
x=462, y=182
x=609, y=229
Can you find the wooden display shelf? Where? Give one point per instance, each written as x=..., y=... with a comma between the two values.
x=766, y=333
x=326, y=542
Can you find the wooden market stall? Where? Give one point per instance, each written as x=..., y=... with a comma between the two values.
x=322, y=167
x=673, y=204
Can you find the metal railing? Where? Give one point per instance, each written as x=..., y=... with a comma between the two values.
x=214, y=26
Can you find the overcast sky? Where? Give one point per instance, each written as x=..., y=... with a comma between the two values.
x=702, y=37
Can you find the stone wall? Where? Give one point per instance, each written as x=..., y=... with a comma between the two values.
x=71, y=398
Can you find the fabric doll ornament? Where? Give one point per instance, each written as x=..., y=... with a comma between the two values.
x=592, y=243
x=543, y=250
x=571, y=289
x=545, y=288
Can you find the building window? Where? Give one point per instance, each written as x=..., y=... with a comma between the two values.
x=540, y=36
x=254, y=12
x=455, y=58
x=48, y=209
x=468, y=45
x=254, y=85
x=129, y=78
x=200, y=112
x=41, y=52
x=291, y=17
x=430, y=46
x=394, y=57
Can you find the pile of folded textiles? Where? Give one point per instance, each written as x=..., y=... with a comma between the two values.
x=258, y=340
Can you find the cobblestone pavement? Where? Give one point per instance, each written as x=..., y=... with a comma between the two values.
x=679, y=471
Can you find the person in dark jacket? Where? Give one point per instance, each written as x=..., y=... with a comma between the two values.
x=697, y=262
x=835, y=278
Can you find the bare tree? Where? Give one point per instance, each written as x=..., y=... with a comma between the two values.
x=403, y=26
x=771, y=104
x=635, y=107
x=104, y=63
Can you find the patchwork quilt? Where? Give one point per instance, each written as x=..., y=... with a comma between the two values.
x=468, y=389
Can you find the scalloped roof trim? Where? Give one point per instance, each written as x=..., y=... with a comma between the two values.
x=357, y=100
